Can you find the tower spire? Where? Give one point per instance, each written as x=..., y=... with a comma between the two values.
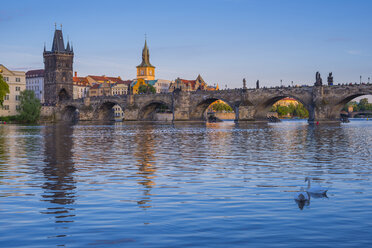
x=145, y=56
x=58, y=44
x=68, y=47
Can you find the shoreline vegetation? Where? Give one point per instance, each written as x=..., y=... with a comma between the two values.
x=29, y=110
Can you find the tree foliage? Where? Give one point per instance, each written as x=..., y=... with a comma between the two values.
x=291, y=110
x=4, y=89
x=221, y=106
x=146, y=88
x=363, y=105
x=30, y=107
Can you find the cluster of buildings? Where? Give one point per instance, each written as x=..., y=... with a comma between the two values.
x=57, y=80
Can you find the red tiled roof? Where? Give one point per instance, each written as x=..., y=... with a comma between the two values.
x=115, y=79
x=98, y=78
x=189, y=82
x=104, y=78
x=80, y=81
x=35, y=73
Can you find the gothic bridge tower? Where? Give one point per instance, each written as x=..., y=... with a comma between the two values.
x=58, y=84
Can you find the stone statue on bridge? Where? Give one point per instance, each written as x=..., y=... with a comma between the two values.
x=244, y=84
x=258, y=84
x=318, y=79
x=330, y=79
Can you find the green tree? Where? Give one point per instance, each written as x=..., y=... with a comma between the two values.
x=146, y=89
x=363, y=105
x=300, y=111
x=4, y=89
x=282, y=110
x=30, y=107
x=221, y=106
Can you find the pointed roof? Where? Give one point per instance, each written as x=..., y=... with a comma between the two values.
x=58, y=44
x=145, y=57
x=200, y=78
x=68, y=47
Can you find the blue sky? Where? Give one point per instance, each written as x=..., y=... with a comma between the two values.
x=223, y=40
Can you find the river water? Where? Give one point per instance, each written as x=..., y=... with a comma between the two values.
x=185, y=185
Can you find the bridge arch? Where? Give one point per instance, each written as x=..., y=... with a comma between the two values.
x=149, y=110
x=105, y=110
x=337, y=108
x=70, y=113
x=198, y=110
x=262, y=109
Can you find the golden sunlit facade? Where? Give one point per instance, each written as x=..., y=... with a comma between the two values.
x=286, y=102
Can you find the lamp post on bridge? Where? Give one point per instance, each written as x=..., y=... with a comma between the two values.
x=281, y=81
x=368, y=79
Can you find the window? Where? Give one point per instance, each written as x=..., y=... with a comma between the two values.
x=6, y=79
x=18, y=88
x=18, y=107
x=141, y=72
x=18, y=80
x=6, y=107
x=17, y=97
x=6, y=97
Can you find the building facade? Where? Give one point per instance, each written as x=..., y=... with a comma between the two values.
x=120, y=88
x=189, y=85
x=103, y=89
x=81, y=87
x=162, y=86
x=58, y=70
x=35, y=82
x=286, y=102
x=17, y=83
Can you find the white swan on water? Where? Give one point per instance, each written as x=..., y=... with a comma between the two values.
x=315, y=189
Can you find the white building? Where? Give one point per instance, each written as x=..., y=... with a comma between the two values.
x=80, y=87
x=162, y=86
x=17, y=83
x=120, y=88
x=35, y=82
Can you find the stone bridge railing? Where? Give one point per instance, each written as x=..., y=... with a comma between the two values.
x=324, y=103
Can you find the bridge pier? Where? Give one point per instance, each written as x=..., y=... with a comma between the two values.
x=244, y=113
x=326, y=106
x=324, y=114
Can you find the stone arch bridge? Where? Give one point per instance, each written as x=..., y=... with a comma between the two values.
x=324, y=103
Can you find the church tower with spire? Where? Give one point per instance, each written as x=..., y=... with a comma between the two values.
x=145, y=70
x=58, y=72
